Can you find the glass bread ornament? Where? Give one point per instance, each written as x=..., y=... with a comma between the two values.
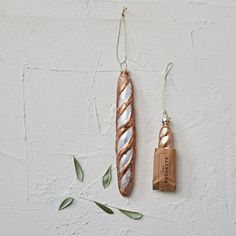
x=164, y=167
x=125, y=121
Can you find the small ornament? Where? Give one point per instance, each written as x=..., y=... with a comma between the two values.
x=164, y=169
x=125, y=122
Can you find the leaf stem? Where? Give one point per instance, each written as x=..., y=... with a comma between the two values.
x=85, y=198
x=93, y=182
x=90, y=200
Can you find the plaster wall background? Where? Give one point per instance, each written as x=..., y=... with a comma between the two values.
x=58, y=75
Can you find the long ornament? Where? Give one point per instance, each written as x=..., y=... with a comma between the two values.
x=125, y=133
x=164, y=170
x=125, y=122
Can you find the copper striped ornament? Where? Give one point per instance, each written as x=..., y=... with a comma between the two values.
x=125, y=133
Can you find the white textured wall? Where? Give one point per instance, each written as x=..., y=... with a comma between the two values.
x=58, y=75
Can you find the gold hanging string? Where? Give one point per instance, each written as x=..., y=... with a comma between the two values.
x=123, y=63
x=163, y=99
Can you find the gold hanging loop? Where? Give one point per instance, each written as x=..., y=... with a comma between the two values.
x=123, y=63
x=165, y=116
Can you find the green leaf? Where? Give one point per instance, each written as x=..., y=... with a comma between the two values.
x=132, y=214
x=68, y=201
x=104, y=208
x=106, y=179
x=78, y=170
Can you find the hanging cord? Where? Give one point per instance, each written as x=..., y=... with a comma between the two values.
x=165, y=116
x=123, y=63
